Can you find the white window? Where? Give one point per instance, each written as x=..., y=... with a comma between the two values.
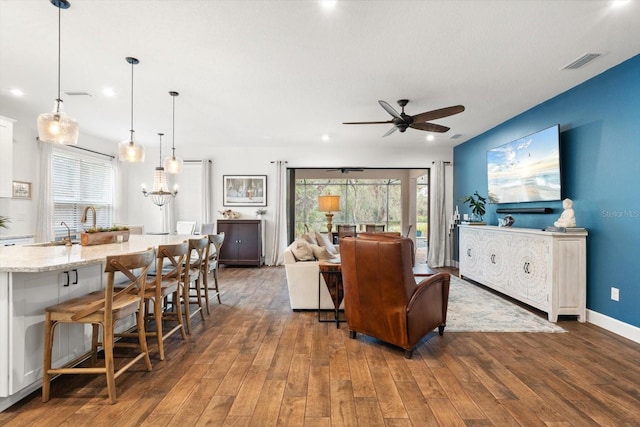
x=81, y=180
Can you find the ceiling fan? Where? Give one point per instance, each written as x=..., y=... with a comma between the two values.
x=401, y=121
x=346, y=170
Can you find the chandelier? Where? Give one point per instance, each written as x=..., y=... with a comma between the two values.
x=57, y=127
x=160, y=195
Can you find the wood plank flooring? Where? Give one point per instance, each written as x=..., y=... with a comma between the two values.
x=254, y=362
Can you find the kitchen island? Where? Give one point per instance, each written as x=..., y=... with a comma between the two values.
x=35, y=277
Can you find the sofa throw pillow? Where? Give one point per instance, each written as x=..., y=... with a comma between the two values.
x=323, y=240
x=321, y=253
x=302, y=251
x=310, y=237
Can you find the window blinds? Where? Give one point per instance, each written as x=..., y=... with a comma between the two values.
x=79, y=181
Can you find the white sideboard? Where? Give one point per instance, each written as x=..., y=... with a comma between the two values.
x=546, y=270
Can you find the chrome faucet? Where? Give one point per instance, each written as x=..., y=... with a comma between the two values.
x=67, y=241
x=84, y=215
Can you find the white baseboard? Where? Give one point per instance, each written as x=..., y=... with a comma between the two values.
x=617, y=327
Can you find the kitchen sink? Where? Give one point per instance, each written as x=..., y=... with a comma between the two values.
x=56, y=243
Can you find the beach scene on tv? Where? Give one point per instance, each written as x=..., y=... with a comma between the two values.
x=525, y=170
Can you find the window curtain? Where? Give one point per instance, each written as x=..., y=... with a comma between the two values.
x=44, y=222
x=437, y=218
x=207, y=196
x=279, y=242
x=117, y=214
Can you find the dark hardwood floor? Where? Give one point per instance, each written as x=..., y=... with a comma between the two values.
x=254, y=362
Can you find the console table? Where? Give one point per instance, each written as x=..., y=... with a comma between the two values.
x=546, y=270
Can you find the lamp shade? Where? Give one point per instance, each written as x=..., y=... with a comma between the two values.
x=129, y=151
x=173, y=164
x=328, y=203
x=57, y=127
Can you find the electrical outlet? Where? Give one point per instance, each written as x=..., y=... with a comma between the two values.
x=615, y=294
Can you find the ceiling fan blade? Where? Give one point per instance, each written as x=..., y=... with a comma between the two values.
x=390, y=131
x=438, y=114
x=390, y=110
x=430, y=127
x=366, y=123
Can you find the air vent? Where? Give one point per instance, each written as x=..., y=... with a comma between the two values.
x=78, y=93
x=456, y=136
x=583, y=60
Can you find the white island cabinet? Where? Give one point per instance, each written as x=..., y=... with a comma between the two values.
x=546, y=270
x=35, y=277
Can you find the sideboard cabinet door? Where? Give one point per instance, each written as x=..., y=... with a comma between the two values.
x=242, y=242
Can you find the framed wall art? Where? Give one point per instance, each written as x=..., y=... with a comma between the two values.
x=244, y=190
x=21, y=190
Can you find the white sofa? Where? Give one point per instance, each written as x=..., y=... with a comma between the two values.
x=302, y=281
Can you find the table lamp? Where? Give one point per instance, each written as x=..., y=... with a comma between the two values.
x=329, y=203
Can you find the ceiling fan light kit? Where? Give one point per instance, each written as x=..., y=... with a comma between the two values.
x=57, y=127
x=129, y=150
x=401, y=121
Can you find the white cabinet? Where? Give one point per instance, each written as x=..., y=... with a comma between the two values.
x=30, y=294
x=543, y=269
x=6, y=159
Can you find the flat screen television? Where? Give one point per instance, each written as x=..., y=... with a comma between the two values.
x=527, y=169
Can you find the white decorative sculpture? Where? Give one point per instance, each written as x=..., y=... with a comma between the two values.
x=568, y=217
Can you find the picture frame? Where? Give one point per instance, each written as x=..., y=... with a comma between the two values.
x=244, y=190
x=21, y=190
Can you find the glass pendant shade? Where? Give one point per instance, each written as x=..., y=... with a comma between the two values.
x=173, y=164
x=57, y=127
x=128, y=150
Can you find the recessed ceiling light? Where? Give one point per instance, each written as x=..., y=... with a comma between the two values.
x=328, y=4
x=108, y=92
x=619, y=3
x=325, y=138
x=430, y=137
x=16, y=92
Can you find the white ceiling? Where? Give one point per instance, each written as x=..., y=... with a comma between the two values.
x=284, y=73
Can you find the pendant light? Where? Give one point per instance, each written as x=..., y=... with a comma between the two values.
x=160, y=195
x=128, y=150
x=57, y=127
x=173, y=164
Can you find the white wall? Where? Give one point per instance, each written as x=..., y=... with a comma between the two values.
x=136, y=209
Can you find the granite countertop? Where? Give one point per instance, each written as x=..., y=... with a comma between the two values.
x=34, y=259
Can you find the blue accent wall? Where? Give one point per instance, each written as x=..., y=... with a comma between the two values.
x=600, y=148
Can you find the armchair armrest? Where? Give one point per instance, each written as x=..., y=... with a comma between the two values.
x=428, y=304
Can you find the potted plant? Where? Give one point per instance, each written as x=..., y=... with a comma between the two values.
x=4, y=220
x=260, y=213
x=477, y=204
x=104, y=235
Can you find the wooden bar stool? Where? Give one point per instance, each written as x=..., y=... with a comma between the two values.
x=166, y=283
x=103, y=308
x=192, y=279
x=215, y=240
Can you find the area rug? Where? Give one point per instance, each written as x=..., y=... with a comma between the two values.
x=474, y=309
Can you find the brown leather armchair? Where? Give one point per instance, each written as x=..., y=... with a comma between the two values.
x=381, y=297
